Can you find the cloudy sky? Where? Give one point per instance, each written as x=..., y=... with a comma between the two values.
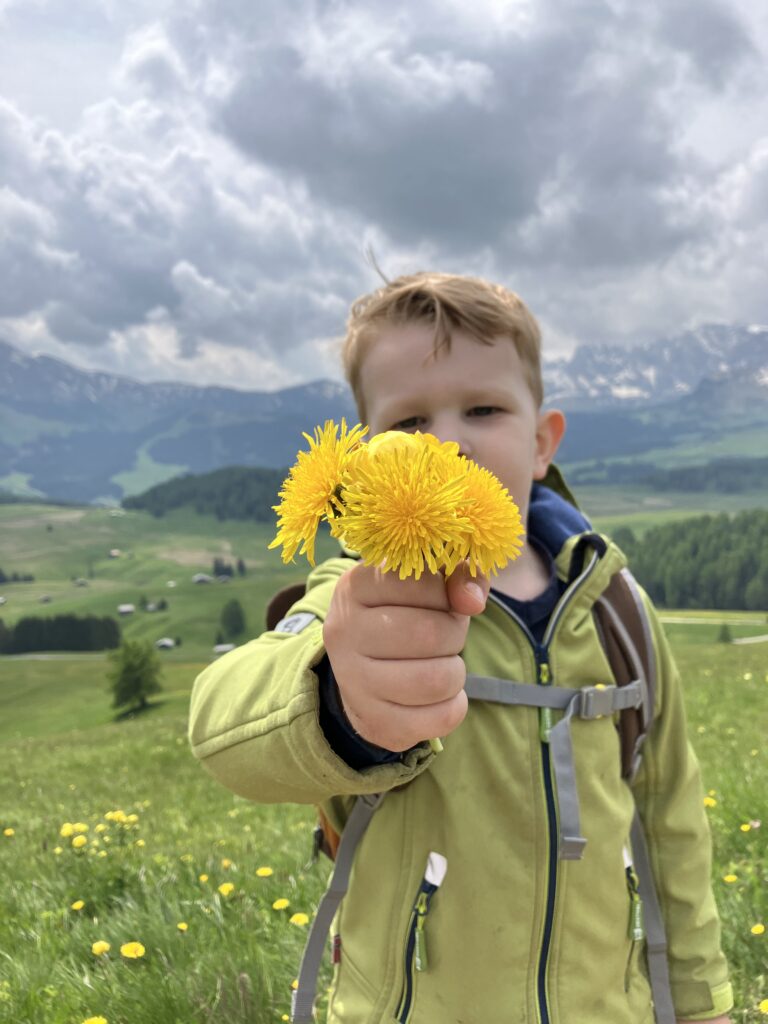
x=188, y=189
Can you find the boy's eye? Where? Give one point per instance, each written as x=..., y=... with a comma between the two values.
x=411, y=423
x=483, y=410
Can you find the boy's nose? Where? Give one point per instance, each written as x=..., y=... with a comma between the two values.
x=450, y=431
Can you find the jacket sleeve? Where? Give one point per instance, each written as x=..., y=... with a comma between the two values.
x=255, y=716
x=670, y=798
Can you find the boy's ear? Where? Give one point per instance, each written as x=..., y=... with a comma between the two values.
x=549, y=434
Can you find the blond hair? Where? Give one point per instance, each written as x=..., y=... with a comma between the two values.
x=481, y=309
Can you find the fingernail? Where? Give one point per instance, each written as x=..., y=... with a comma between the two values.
x=475, y=591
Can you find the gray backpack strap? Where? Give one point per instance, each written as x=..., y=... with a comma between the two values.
x=656, y=939
x=303, y=997
x=590, y=702
x=625, y=633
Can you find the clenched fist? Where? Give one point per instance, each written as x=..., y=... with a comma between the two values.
x=394, y=646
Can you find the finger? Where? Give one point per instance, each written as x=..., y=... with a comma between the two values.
x=373, y=587
x=416, y=683
x=467, y=594
x=395, y=633
x=404, y=727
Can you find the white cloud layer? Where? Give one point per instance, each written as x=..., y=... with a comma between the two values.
x=202, y=215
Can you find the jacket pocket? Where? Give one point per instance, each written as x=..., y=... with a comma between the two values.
x=415, y=955
x=636, y=927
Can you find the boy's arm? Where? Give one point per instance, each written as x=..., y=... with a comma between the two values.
x=255, y=716
x=670, y=799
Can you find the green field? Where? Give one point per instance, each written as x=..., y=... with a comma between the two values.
x=64, y=759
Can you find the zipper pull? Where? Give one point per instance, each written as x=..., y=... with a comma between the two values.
x=545, y=714
x=420, y=949
x=636, y=925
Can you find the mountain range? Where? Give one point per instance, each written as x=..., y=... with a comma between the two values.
x=81, y=436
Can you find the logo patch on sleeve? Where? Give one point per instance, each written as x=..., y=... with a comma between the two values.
x=295, y=623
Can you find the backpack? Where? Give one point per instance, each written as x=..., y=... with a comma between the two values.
x=625, y=634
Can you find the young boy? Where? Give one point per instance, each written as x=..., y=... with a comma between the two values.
x=461, y=908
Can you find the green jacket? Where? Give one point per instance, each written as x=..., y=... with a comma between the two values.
x=511, y=934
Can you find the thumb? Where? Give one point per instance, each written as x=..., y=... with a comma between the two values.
x=466, y=594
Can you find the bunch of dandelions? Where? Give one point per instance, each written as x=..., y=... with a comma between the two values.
x=407, y=503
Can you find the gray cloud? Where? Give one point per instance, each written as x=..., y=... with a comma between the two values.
x=208, y=213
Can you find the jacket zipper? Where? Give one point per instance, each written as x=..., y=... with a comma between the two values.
x=544, y=678
x=416, y=945
x=636, y=925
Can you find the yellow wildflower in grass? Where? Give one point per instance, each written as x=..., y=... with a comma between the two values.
x=57, y=850
x=295, y=983
x=100, y=948
x=496, y=529
x=745, y=827
x=281, y=903
x=400, y=498
x=96, y=1020
x=757, y=929
x=102, y=853
x=78, y=842
x=132, y=950
x=80, y=827
x=226, y=863
x=264, y=872
x=9, y=832
x=226, y=888
x=763, y=1006
x=300, y=919
x=67, y=829
x=710, y=801
x=140, y=843
x=78, y=905
x=203, y=878
x=730, y=879
x=309, y=493
x=182, y=926
x=101, y=827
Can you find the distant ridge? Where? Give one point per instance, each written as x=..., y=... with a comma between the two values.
x=96, y=437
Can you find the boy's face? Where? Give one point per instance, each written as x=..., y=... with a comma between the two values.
x=474, y=394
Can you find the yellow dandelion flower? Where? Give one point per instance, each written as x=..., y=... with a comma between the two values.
x=182, y=926
x=67, y=829
x=300, y=919
x=496, y=529
x=58, y=850
x=100, y=948
x=226, y=888
x=281, y=903
x=96, y=1020
x=80, y=827
x=763, y=1006
x=757, y=929
x=310, y=492
x=132, y=818
x=9, y=832
x=400, y=502
x=202, y=878
x=101, y=827
x=745, y=827
x=286, y=1017
x=710, y=801
x=264, y=872
x=102, y=853
x=139, y=843
x=132, y=950
x=78, y=842
x=730, y=879
x=712, y=792
x=226, y=863
x=295, y=983
x=78, y=905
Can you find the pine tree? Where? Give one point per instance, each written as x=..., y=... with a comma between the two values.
x=233, y=618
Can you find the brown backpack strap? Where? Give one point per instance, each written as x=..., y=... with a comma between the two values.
x=282, y=601
x=625, y=633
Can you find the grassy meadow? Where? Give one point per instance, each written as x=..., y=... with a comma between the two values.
x=112, y=834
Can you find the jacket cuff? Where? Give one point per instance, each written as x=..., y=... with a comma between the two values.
x=715, y=1002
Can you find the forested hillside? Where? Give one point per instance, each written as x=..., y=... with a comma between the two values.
x=237, y=492
x=704, y=562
